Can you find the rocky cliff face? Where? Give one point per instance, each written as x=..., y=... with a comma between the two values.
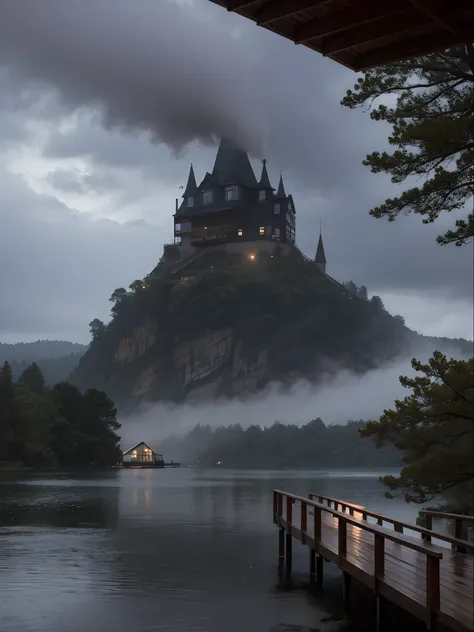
x=229, y=329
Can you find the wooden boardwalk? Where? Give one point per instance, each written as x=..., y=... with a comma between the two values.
x=434, y=582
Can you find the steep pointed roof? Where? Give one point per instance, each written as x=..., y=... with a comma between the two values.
x=281, y=189
x=320, y=254
x=191, y=185
x=264, y=179
x=231, y=161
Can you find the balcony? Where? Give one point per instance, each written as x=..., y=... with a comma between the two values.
x=211, y=233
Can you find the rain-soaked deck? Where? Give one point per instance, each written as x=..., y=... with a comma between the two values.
x=431, y=581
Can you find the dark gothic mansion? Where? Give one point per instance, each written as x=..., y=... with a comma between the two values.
x=235, y=211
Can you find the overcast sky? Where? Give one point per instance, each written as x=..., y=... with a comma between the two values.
x=103, y=105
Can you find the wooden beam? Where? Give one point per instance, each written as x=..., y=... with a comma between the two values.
x=422, y=45
x=347, y=19
x=237, y=5
x=438, y=11
x=385, y=27
x=280, y=9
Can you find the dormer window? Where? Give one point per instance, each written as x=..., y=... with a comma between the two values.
x=207, y=197
x=232, y=192
x=276, y=208
x=262, y=195
x=190, y=201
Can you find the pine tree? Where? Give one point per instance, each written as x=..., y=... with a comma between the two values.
x=433, y=132
x=33, y=377
x=435, y=427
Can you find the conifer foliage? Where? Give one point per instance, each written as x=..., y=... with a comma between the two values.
x=433, y=133
x=56, y=426
x=435, y=427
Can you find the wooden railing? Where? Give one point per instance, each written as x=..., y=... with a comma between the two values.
x=460, y=521
x=433, y=557
x=426, y=532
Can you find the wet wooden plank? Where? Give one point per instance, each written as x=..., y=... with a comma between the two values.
x=410, y=573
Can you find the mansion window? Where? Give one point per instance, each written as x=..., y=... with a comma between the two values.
x=276, y=208
x=190, y=201
x=262, y=230
x=232, y=192
x=276, y=233
x=240, y=232
x=182, y=227
x=262, y=194
x=207, y=197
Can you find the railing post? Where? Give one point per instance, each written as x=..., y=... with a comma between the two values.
x=428, y=524
x=342, y=536
x=432, y=590
x=275, y=504
x=280, y=505
x=317, y=524
x=289, y=510
x=303, y=516
x=379, y=557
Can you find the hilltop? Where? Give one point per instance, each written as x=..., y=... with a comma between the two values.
x=227, y=324
x=56, y=358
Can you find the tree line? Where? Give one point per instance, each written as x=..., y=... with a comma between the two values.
x=58, y=426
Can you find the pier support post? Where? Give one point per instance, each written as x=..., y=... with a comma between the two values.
x=312, y=565
x=320, y=570
x=346, y=591
x=288, y=551
x=281, y=545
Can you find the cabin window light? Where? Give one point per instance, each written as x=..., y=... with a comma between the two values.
x=232, y=192
x=240, y=232
x=262, y=195
x=262, y=230
x=276, y=208
x=207, y=197
x=190, y=201
x=252, y=257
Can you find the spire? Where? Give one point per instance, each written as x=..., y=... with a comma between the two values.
x=191, y=186
x=281, y=188
x=264, y=179
x=320, y=258
x=232, y=163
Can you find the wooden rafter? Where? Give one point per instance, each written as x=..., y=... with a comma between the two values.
x=238, y=5
x=346, y=19
x=384, y=27
x=281, y=9
x=438, y=11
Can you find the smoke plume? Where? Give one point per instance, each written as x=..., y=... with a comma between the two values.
x=144, y=65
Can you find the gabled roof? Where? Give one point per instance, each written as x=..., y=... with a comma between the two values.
x=232, y=160
x=136, y=446
x=320, y=254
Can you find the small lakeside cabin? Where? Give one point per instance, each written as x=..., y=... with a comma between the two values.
x=141, y=455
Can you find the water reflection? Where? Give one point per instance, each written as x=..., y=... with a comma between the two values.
x=161, y=550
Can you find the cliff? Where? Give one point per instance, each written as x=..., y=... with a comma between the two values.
x=226, y=325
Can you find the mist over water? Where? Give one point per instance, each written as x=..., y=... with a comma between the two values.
x=338, y=398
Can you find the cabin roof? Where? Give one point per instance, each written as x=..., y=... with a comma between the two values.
x=361, y=34
x=136, y=446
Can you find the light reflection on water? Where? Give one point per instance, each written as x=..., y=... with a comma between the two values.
x=162, y=550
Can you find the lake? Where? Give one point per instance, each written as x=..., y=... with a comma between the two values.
x=173, y=550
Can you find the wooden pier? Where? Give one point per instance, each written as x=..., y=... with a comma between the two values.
x=433, y=582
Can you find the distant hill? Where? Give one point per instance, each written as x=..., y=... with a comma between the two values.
x=225, y=325
x=56, y=358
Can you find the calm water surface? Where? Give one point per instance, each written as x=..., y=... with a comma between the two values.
x=164, y=551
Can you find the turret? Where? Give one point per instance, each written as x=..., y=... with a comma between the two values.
x=191, y=189
x=281, y=189
x=320, y=258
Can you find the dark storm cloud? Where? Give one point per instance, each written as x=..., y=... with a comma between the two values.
x=145, y=65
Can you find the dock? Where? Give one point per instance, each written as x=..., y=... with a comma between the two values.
x=434, y=582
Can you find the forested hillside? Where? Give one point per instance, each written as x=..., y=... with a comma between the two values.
x=56, y=358
x=226, y=325
x=313, y=445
